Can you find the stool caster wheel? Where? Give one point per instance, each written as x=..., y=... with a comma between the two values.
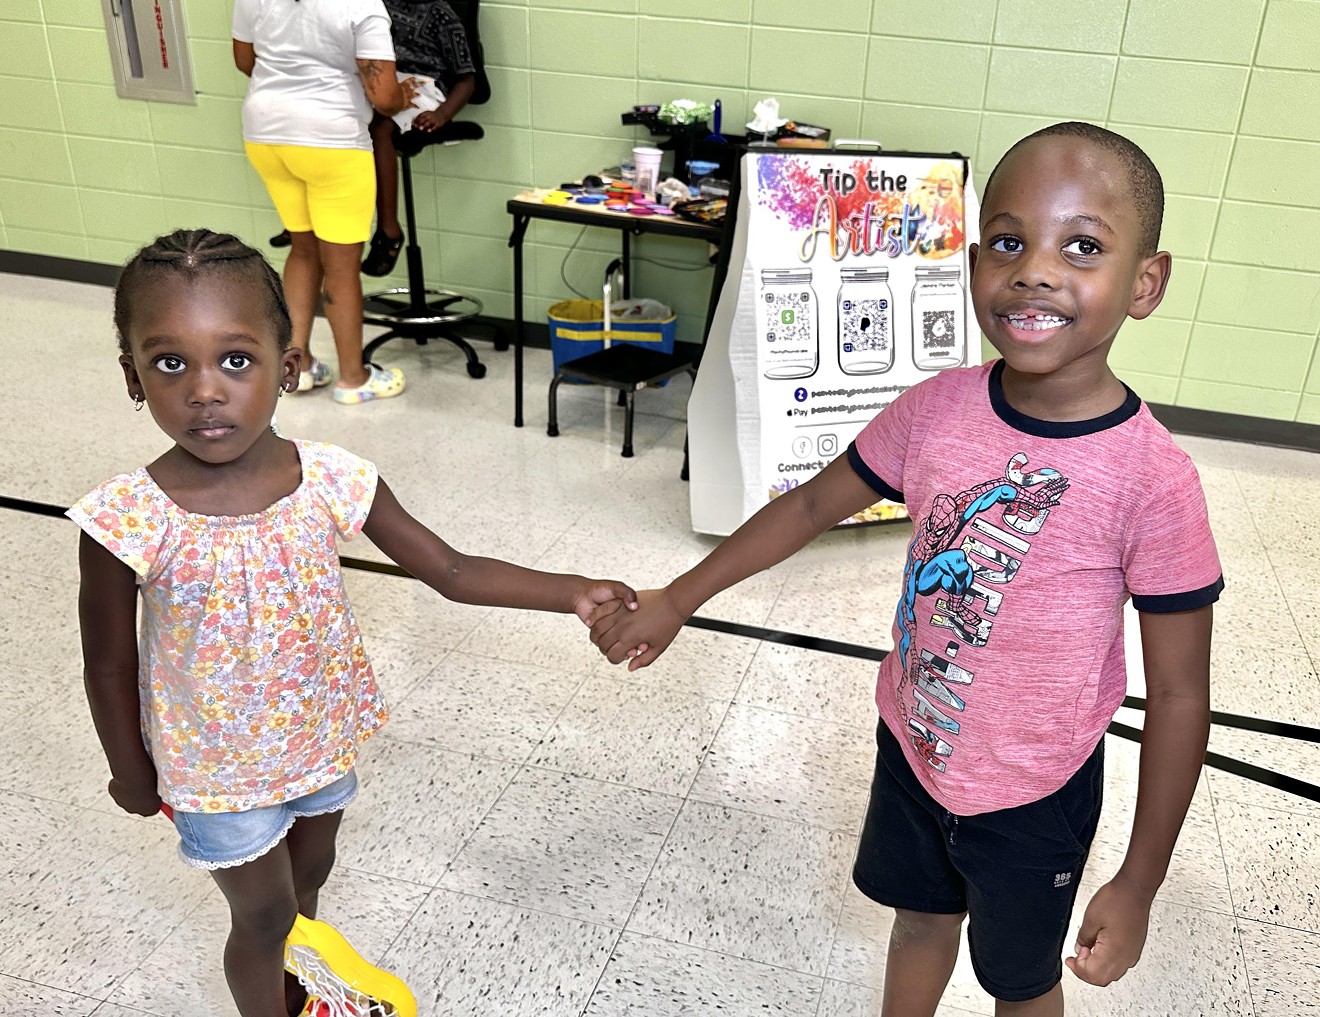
x=552, y=430
x=476, y=370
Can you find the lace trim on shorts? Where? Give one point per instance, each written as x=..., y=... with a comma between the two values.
x=198, y=863
x=334, y=808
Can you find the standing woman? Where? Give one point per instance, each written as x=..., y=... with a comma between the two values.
x=318, y=69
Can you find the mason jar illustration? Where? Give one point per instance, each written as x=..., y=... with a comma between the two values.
x=790, y=325
x=938, y=308
x=866, y=321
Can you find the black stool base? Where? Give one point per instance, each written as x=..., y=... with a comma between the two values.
x=623, y=367
x=423, y=316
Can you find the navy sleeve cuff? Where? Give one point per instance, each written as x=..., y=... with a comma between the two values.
x=871, y=477
x=1169, y=603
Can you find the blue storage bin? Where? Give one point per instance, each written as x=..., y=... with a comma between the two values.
x=577, y=328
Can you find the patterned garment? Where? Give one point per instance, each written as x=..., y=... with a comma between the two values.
x=1028, y=538
x=429, y=39
x=255, y=686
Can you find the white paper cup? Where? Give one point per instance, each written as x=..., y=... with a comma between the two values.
x=647, y=161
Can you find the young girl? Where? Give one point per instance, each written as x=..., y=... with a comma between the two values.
x=245, y=700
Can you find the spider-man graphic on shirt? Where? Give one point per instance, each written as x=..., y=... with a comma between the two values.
x=936, y=566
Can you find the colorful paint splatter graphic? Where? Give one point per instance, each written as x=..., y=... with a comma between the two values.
x=925, y=219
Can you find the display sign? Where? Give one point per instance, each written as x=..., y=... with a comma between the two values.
x=848, y=284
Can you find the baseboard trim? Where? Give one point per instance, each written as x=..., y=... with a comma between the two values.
x=1179, y=419
x=1237, y=427
x=69, y=269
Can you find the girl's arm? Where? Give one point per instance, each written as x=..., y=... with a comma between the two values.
x=107, y=615
x=471, y=580
x=386, y=93
x=784, y=526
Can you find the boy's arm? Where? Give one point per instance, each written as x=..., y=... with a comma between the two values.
x=107, y=617
x=472, y=580
x=433, y=120
x=1176, y=649
x=784, y=526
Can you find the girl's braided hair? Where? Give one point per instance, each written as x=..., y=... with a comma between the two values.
x=190, y=253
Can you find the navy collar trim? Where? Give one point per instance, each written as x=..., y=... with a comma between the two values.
x=1056, y=428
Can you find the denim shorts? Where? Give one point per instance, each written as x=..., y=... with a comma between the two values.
x=221, y=840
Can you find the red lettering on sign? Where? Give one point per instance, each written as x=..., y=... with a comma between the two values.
x=160, y=31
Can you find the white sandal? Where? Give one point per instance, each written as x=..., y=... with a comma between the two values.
x=381, y=383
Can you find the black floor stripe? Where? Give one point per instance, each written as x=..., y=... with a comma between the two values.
x=1270, y=778
x=36, y=508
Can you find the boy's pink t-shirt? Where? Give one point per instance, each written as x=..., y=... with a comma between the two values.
x=1029, y=537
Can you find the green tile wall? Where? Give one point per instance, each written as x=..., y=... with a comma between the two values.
x=1221, y=93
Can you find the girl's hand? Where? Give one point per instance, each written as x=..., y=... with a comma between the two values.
x=596, y=592
x=140, y=799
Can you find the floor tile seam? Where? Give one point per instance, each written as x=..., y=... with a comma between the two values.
x=781, y=820
x=1261, y=536
x=705, y=756
x=542, y=767
x=608, y=675
x=419, y=682
x=734, y=956
x=777, y=817
x=834, y=939
x=57, y=988
x=449, y=864
x=391, y=877
x=1307, y=810
x=1233, y=800
x=119, y=983
x=869, y=727
x=484, y=899
x=522, y=663
x=1239, y=917
x=1242, y=919
x=419, y=743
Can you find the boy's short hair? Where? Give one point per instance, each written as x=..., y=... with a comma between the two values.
x=1144, y=179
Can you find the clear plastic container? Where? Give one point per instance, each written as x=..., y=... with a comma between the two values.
x=866, y=321
x=790, y=323
x=939, y=335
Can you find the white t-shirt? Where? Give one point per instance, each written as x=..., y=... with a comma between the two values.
x=305, y=88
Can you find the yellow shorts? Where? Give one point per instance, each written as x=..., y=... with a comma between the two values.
x=330, y=192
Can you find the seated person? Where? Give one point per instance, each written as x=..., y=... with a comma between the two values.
x=428, y=40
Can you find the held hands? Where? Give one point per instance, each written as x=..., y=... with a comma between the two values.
x=136, y=797
x=640, y=636
x=595, y=595
x=1112, y=934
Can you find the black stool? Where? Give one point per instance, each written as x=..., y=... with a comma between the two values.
x=416, y=311
x=624, y=367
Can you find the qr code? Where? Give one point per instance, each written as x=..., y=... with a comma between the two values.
x=937, y=330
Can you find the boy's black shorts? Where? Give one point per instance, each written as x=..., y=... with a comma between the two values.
x=1015, y=872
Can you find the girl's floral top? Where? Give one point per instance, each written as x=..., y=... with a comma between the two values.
x=255, y=685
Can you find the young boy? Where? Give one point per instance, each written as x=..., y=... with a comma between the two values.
x=1043, y=494
x=429, y=40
